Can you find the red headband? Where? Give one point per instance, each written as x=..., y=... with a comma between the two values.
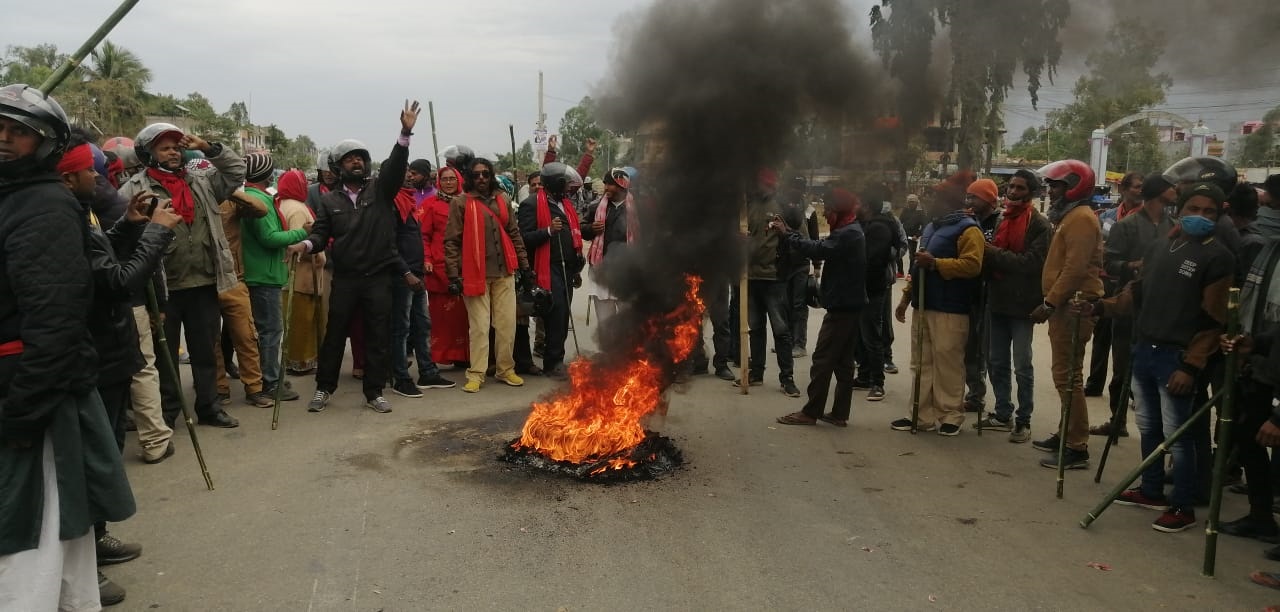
x=76, y=159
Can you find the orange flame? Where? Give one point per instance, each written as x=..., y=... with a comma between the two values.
x=598, y=416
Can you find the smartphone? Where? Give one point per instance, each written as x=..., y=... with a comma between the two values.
x=151, y=209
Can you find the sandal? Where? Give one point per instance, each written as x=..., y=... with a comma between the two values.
x=797, y=418
x=827, y=418
x=1266, y=579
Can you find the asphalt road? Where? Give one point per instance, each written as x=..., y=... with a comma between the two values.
x=352, y=510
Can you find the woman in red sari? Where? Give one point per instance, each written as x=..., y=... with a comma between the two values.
x=449, y=340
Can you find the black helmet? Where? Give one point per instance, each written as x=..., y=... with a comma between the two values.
x=147, y=138
x=812, y=294
x=555, y=178
x=460, y=157
x=1203, y=170
x=42, y=114
x=345, y=148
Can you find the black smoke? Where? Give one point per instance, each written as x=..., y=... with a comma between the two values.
x=723, y=83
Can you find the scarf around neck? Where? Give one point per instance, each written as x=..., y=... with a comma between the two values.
x=175, y=184
x=602, y=216
x=1012, y=232
x=542, y=257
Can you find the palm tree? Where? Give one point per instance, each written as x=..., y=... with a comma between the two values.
x=115, y=63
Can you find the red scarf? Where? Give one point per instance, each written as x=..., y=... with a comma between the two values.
x=1121, y=214
x=1012, y=233
x=474, y=278
x=291, y=185
x=175, y=184
x=405, y=203
x=542, y=257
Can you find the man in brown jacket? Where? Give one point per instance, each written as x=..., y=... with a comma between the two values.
x=483, y=251
x=237, y=316
x=1074, y=264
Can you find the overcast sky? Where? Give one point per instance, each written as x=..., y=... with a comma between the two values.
x=337, y=70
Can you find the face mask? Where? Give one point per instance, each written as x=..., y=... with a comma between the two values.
x=1197, y=226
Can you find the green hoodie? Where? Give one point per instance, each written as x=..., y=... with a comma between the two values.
x=262, y=245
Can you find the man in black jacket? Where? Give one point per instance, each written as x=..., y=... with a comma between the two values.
x=553, y=239
x=59, y=462
x=844, y=297
x=360, y=219
x=881, y=231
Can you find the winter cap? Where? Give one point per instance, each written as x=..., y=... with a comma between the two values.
x=421, y=166
x=985, y=190
x=258, y=167
x=1154, y=186
x=842, y=201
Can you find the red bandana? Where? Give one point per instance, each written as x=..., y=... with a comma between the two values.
x=175, y=184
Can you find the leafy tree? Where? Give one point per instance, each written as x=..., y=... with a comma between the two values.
x=1120, y=82
x=579, y=124
x=1260, y=148
x=30, y=65
x=524, y=162
x=989, y=39
x=112, y=62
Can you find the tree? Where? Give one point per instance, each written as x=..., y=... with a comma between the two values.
x=1119, y=83
x=30, y=65
x=115, y=63
x=579, y=124
x=989, y=39
x=1260, y=147
x=523, y=163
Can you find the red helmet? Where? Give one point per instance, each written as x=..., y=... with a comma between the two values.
x=1076, y=174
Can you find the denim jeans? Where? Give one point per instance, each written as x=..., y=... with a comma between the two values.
x=268, y=317
x=410, y=327
x=768, y=298
x=1010, y=357
x=1158, y=414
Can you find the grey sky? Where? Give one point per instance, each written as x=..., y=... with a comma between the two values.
x=342, y=70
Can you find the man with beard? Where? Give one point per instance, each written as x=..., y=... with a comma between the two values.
x=766, y=291
x=1012, y=263
x=1073, y=264
x=844, y=298
x=483, y=252
x=199, y=263
x=360, y=220
x=450, y=343
x=58, y=459
x=550, y=229
x=950, y=262
x=410, y=323
x=1126, y=245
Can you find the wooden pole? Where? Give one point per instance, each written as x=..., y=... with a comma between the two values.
x=744, y=331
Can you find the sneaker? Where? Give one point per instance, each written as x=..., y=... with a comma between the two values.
x=109, y=593
x=1173, y=521
x=471, y=386
x=876, y=394
x=948, y=429
x=224, y=399
x=1048, y=445
x=904, y=424
x=1021, y=433
x=992, y=422
x=1072, y=459
x=861, y=383
x=789, y=389
x=435, y=381
x=512, y=380
x=406, y=388
x=261, y=399
x=753, y=381
x=724, y=373
x=319, y=401
x=378, y=404
x=799, y=352
x=889, y=368
x=1134, y=497
x=111, y=550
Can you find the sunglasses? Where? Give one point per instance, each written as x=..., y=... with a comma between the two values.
x=481, y=174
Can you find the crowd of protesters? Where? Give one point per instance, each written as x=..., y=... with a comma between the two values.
x=111, y=248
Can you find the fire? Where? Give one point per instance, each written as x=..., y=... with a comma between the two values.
x=597, y=418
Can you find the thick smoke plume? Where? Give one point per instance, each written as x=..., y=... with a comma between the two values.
x=718, y=86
